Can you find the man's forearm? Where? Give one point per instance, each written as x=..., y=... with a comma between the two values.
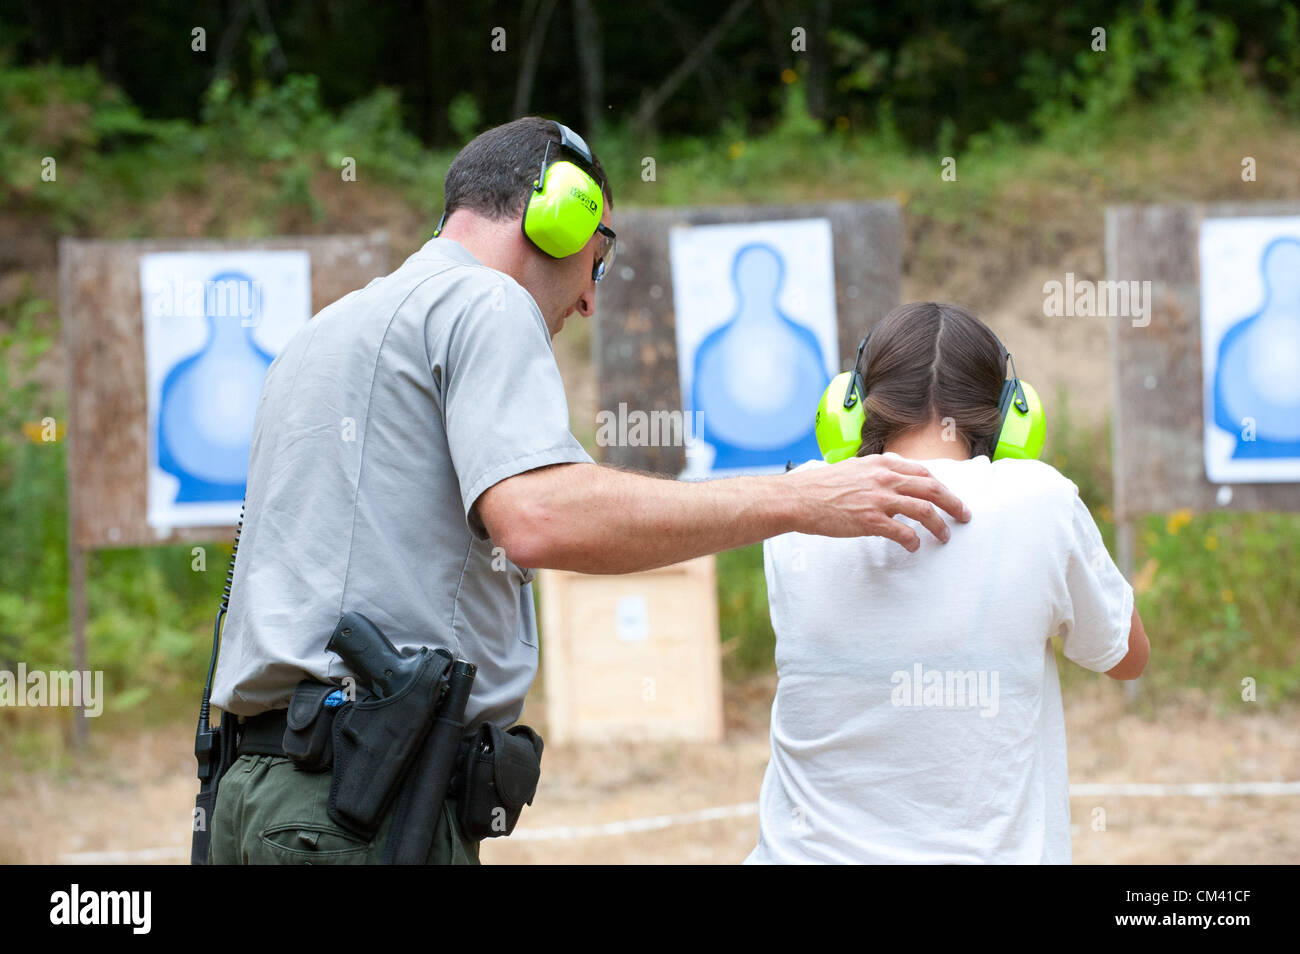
x=601, y=520
x=597, y=519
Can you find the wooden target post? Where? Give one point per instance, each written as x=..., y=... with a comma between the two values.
x=1158, y=382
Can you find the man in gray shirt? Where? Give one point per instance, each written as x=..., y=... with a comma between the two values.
x=412, y=461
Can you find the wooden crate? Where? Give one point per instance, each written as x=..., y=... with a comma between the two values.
x=635, y=656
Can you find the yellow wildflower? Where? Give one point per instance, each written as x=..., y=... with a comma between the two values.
x=1177, y=520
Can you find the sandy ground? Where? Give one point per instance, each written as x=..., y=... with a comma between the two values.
x=133, y=791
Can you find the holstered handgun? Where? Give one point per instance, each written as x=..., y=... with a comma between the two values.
x=376, y=741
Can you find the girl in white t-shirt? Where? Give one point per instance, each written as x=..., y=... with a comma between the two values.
x=918, y=715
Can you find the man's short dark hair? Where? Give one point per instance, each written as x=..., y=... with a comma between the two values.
x=493, y=174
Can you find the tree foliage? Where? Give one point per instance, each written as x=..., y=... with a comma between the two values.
x=937, y=72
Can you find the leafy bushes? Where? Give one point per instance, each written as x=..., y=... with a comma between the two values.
x=108, y=157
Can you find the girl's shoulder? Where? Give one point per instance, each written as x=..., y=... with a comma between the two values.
x=1033, y=474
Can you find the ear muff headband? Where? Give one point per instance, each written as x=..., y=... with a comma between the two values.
x=841, y=414
x=566, y=203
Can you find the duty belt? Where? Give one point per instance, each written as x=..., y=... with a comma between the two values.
x=400, y=751
x=263, y=734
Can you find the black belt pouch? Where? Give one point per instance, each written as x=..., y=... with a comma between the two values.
x=376, y=741
x=309, y=724
x=501, y=773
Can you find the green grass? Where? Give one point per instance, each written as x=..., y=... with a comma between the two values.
x=743, y=621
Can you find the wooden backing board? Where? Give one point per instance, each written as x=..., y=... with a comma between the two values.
x=1159, y=461
x=652, y=673
x=99, y=298
x=634, y=348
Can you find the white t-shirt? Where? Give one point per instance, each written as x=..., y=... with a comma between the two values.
x=918, y=715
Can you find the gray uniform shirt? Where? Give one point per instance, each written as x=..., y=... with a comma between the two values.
x=378, y=427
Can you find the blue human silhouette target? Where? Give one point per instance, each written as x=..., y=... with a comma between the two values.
x=755, y=317
x=205, y=419
x=1250, y=331
x=213, y=324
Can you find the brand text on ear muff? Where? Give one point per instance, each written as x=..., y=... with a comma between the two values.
x=583, y=198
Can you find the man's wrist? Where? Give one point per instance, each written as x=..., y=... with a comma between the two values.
x=785, y=505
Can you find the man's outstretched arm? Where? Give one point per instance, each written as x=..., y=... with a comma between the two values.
x=596, y=519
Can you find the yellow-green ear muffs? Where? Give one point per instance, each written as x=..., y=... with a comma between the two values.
x=840, y=416
x=563, y=210
x=1024, y=424
x=839, y=429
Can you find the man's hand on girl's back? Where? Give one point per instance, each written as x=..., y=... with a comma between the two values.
x=862, y=495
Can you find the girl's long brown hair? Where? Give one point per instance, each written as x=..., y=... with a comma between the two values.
x=928, y=361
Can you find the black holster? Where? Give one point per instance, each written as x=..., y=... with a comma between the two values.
x=407, y=752
x=375, y=743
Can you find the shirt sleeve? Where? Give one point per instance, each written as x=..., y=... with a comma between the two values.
x=1096, y=609
x=503, y=399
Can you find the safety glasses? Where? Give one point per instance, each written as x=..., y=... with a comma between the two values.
x=605, y=252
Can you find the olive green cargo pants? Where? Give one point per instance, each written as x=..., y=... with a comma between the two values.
x=269, y=813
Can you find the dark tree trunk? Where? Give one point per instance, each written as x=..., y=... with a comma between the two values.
x=532, y=57
x=586, y=31
x=818, y=54
x=653, y=100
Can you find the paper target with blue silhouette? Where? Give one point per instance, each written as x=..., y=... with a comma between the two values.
x=1250, y=348
x=213, y=323
x=756, y=341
